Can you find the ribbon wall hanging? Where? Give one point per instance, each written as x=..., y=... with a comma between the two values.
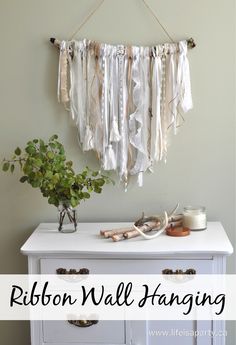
x=125, y=100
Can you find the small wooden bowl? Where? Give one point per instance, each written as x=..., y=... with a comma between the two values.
x=178, y=231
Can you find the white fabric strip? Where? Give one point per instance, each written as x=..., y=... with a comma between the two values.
x=156, y=126
x=139, y=120
x=77, y=106
x=123, y=124
x=183, y=78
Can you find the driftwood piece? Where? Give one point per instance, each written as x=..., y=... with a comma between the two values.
x=118, y=237
x=144, y=219
x=134, y=233
x=191, y=43
x=145, y=228
x=110, y=233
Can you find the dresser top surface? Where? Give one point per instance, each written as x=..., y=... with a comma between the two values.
x=87, y=241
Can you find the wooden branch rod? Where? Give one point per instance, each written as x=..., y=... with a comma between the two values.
x=191, y=43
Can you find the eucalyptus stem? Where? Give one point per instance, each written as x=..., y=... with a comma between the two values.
x=61, y=219
x=44, y=166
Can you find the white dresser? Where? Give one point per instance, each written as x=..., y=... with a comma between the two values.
x=204, y=252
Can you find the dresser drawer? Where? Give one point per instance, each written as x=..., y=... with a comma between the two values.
x=104, y=332
x=124, y=266
x=107, y=332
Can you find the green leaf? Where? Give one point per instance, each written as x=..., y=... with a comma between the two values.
x=35, y=183
x=74, y=202
x=27, y=169
x=61, y=150
x=79, y=179
x=42, y=146
x=73, y=192
x=84, y=173
x=100, y=181
x=39, y=175
x=18, y=151
x=12, y=168
x=48, y=174
x=30, y=149
x=53, y=137
x=6, y=166
x=53, y=145
x=23, y=179
x=38, y=163
x=97, y=190
x=95, y=173
x=50, y=155
x=86, y=195
x=52, y=200
x=69, y=164
x=35, y=141
x=32, y=175
x=55, y=178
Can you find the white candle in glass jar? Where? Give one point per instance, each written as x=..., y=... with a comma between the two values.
x=194, y=218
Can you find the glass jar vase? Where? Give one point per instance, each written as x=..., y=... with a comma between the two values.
x=67, y=217
x=194, y=217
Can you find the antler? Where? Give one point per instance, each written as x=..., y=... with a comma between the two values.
x=144, y=219
x=164, y=225
x=162, y=222
x=170, y=214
